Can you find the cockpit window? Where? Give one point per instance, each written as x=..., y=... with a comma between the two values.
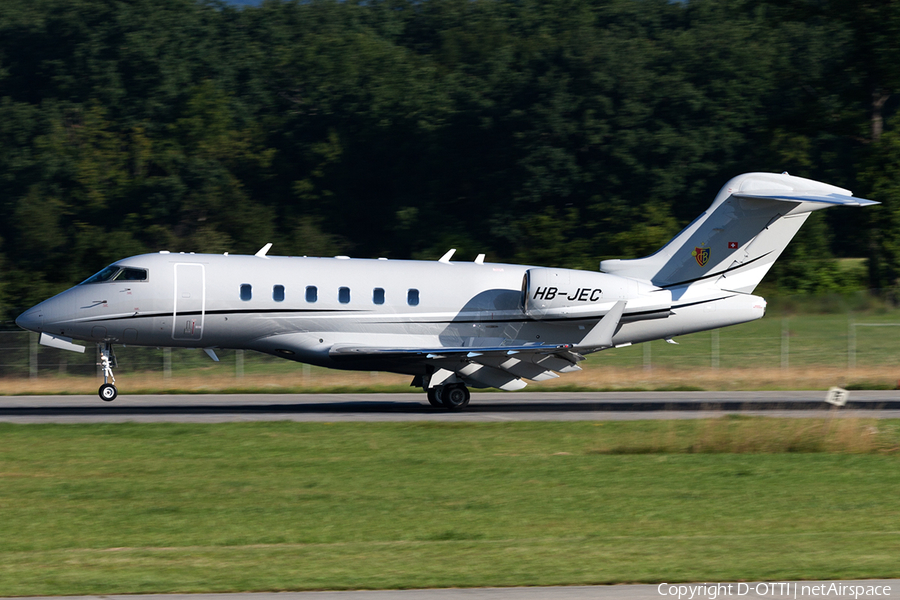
x=105, y=275
x=131, y=274
x=117, y=273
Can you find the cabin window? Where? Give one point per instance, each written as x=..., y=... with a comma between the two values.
x=246, y=292
x=278, y=293
x=378, y=296
x=312, y=293
x=412, y=297
x=131, y=274
x=344, y=295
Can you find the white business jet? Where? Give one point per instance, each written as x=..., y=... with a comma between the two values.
x=450, y=325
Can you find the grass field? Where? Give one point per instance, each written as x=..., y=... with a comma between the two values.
x=102, y=509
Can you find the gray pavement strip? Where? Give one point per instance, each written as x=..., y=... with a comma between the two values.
x=485, y=407
x=690, y=591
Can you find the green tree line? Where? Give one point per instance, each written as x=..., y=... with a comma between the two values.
x=551, y=132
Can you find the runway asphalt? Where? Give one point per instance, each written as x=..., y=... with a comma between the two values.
x=484, y=407
x=769, y=590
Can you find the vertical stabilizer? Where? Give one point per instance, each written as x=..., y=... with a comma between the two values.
x=735, y=241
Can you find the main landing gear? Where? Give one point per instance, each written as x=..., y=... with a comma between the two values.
x=454, y=396
x=108, y=391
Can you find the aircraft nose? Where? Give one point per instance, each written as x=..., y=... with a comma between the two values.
x=32, y=319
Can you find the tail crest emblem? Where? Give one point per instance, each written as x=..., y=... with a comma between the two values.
x=702, y=256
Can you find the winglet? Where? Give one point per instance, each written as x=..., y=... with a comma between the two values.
x=262, y=251
x=479, y=260
x=602, y=333
x=446, y=257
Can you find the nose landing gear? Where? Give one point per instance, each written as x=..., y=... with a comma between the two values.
x=108, y=391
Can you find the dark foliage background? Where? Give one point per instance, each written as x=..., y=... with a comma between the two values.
x=547, y=132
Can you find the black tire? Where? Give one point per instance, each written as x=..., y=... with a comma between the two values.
x=434, y=397
x=108, y=392
x=455, y=397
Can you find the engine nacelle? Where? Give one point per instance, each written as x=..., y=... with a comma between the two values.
x=567, y=293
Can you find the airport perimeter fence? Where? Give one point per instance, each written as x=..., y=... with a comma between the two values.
x=22, y=356
x=850, y=340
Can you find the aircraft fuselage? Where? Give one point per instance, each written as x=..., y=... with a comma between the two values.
x=300, y=308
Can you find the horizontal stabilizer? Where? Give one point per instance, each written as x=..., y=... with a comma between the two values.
x=836, y=199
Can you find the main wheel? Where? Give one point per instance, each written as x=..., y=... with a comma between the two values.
x=434, y=397
x=455, y=397
x=108, y=392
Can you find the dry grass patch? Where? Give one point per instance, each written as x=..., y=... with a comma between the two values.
x=736, y=434
x=595, y=377
x=750, y=378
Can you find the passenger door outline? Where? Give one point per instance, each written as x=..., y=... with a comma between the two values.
x=189, y=301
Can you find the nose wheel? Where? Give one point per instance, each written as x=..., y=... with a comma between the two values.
x=108, y=391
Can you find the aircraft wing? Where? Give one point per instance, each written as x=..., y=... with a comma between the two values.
x=502, y=367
